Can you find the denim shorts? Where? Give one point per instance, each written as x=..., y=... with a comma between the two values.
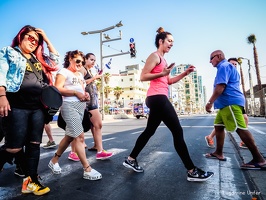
x=23, y=126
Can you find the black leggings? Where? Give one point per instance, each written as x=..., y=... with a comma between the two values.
x=162, y=110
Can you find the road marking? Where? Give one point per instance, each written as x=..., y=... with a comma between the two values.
x=108, y=139
x=254, y=129
x=256, y=122
x=192, y=126
x=69, y=167
x=137, y=132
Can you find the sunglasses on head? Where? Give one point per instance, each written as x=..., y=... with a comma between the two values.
x=32, y=40
x=80, y=61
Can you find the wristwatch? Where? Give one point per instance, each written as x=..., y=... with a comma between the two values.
x=209, y=102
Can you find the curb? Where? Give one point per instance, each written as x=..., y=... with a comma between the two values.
x=252, y=185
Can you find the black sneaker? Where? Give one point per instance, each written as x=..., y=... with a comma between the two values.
x=199, y=175
x=18, y=171
x=133, y=164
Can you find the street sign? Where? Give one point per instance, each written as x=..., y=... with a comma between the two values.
x=131, y=40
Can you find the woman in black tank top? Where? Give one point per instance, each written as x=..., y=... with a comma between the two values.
x=93, y=107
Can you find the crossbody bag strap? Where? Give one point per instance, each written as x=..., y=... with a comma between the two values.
x=38, y=75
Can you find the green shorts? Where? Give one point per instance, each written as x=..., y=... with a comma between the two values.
x=231, y=117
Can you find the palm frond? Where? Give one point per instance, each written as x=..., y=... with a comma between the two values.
x=251, y=39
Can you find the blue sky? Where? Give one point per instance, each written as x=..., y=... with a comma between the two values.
x=198, y=28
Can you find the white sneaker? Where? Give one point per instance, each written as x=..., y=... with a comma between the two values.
x=54, y=167
x=92, y=175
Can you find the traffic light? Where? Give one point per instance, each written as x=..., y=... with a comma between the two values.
x=132, y=50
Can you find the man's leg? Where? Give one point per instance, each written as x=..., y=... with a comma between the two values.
x=220, y=135
x=209, y=139
x=248, y=139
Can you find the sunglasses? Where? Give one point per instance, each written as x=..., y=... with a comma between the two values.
x=32, y=40
x=80, y=61
x=213, y=57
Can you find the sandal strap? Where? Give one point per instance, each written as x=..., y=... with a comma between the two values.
x=55, y=154
x=86, y=168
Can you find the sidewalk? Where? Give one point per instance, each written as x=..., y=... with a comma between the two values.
x=255, y=177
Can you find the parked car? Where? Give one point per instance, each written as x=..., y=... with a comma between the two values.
x=140, y=110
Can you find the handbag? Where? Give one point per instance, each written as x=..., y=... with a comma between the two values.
x=51, y=100
x=86, y=122
x=50, y=97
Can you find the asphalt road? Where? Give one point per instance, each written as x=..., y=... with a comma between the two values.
x=164, y=177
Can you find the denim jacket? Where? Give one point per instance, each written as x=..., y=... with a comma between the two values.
x=13, y=67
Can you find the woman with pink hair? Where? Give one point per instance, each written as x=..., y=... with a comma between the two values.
x=20, y=105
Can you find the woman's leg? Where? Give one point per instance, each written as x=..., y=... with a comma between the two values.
x=171, y=120
x=33, y=141
x=15, y=126
x=64, y=143
x=96, y=130
x=153, y=122
x=80, y=150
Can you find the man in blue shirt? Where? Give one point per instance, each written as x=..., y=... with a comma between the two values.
x=228, y=98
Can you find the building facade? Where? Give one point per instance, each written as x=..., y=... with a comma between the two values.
x=187, y=95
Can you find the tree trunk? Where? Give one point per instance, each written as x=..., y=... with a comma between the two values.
x=262, y=105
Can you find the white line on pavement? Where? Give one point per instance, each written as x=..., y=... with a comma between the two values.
x=136, y=132
x=257, y=130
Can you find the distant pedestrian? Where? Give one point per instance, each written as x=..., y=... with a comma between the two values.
x=70, y=82
x=156, y=70
x=228, y=98
x=209, y=138
x=93, y=107
x=51, y=143
x=20, y=105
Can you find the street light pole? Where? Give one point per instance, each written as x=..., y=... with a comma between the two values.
x=119, y=24
x=102, y=81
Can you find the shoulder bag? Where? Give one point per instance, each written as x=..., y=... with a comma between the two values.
x=50, y=97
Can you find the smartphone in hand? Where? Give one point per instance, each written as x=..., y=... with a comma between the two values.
x=171, y=65
x=100, y=72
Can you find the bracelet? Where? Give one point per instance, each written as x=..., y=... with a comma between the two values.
x=2, y=95
x=75, y=92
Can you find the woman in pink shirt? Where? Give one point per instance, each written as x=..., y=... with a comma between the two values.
x=156, y=70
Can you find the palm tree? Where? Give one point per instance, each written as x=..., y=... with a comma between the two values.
x=106, y=77
x=107, y=91
x=117, y=92
x=251, y=39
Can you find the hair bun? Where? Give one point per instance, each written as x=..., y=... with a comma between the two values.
x=160, y=30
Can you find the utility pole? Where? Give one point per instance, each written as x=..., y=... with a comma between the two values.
x=251, y=91
x=119, y=24
x=243, y=83
x=252, y=101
